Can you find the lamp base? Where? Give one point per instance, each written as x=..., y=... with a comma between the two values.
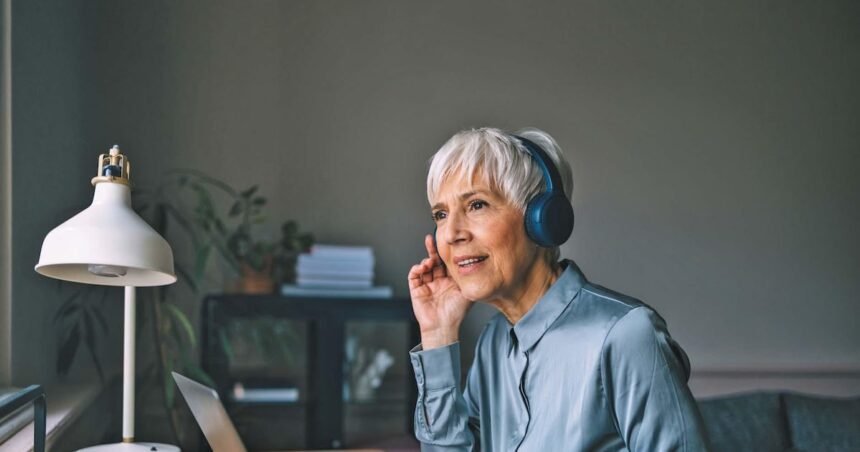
x=132, y=447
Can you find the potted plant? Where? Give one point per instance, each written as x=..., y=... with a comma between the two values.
x=258, y=262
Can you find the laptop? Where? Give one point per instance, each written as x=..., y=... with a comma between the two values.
x=210, y=415
x=212, y=418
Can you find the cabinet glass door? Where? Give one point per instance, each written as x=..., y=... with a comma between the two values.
x=376, y=381
x=267, y=379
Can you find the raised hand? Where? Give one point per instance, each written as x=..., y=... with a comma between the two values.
x=438, y=304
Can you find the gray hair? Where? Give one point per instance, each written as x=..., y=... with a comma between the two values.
x=504, y=163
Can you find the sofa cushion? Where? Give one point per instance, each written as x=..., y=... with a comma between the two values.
x=823, y=423
x=745, y=422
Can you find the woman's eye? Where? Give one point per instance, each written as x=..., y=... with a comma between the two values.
x=438, y=215
x=477, y=204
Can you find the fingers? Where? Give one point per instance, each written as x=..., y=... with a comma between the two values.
x=421, y=273
x=429, y=268
x=415, y=277
x=431, y=248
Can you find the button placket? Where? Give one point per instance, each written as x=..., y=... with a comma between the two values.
x=519, y=433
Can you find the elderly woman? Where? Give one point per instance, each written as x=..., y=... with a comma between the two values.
x=566, y=364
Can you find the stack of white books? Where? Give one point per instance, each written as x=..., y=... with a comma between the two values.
x=336, y=272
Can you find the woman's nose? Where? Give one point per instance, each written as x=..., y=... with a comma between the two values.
x=456, y=229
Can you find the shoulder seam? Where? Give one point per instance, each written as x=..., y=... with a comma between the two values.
x=616, y=300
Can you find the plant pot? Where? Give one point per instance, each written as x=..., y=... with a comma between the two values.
x=256, y=282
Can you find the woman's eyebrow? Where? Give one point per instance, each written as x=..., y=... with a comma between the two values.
x=462, y=197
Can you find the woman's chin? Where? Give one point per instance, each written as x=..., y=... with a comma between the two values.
x=475, y=293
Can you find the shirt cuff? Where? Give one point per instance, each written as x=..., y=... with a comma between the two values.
x=437, y=368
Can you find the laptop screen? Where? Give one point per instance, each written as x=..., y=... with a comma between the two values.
x=210, y=415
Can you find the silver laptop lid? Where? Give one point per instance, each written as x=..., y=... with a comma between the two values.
x=210, y=415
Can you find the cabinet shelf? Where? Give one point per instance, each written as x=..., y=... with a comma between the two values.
x=323, y=348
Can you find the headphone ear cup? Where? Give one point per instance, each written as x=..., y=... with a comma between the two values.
x=549, y=219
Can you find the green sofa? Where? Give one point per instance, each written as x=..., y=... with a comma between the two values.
x=782, y=421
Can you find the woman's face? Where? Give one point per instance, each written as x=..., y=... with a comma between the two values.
x=482, y=239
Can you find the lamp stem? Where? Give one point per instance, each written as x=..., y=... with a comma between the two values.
x=128, y=365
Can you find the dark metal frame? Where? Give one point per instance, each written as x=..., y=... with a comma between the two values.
x=327, y=318
x=32, y=394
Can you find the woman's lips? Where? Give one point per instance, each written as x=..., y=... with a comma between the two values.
x=469, y=264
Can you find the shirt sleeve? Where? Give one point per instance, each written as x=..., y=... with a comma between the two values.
x=446, y=419
x=644, y=374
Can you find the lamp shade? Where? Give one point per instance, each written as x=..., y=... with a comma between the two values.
x=107, y=244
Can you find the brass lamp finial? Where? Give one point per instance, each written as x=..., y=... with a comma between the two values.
x=113, y=167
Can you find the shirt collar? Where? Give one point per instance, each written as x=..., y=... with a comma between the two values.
x=544, y=313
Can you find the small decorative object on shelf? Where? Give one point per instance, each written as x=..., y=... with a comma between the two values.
x=366, y=367
x=264, y=394
x=333, y=271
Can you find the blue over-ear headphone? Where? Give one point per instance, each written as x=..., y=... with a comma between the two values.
x=549, y=215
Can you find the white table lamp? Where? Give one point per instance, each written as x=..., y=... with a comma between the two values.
x=108, y=244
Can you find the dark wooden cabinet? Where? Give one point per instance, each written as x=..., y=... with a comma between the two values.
x=295, y=372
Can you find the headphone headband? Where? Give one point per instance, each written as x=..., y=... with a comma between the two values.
x=547, y=167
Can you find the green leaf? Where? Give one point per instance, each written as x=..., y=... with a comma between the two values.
x=249, y=192
x=159, y=221
x=68, y=307
x=236, y=209
x=201, y=258
x=90, y=340
x=289, y=228
x=99, y=315
x=69, y=347
x=259, y=201
x=225, y=252
x=219, y=226
x=174, y=332
x=226, y=345
x=193, y=371
x=169, y=390
x=89, y=332
x=184, y=276
x=197, y=373
x=307, y=241
x=183, y=321
x=177, y=216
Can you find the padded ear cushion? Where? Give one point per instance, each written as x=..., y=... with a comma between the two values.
x=549, y=219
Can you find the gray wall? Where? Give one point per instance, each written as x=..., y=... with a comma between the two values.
x=714, y=145
x=53, y=159
x=5, y=197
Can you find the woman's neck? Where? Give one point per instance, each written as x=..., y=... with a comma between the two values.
x=523, y=297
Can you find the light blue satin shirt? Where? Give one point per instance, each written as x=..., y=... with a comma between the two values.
x=586, y=369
